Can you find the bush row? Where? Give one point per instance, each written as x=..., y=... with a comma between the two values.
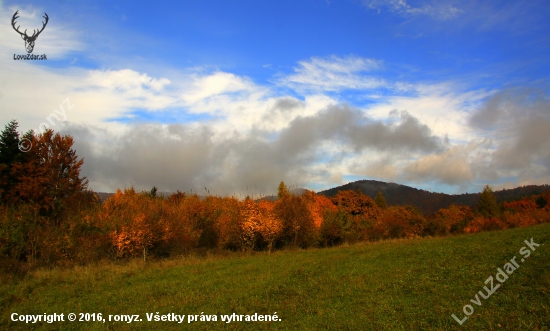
x=131, y=224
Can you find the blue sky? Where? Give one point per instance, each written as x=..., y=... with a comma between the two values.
x=445, y=96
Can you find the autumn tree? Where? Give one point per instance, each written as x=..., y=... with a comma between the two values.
x=488, y=206
x=318, y=206
x=522, y=205
x=250, y=224
x=448, y=220
x=298, y=223
x=270, y=227
x=176, y=198
x=137, y=222
x=51, y=174
x=135, y=238
x=228, y=224
x=394, y=222
x=356, y=203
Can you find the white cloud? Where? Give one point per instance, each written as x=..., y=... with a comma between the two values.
x=131, y=88
x=515, y=17
x=436, y=10
x=450, y=167
x=126, y=80
x=204, y=87
x=334, y=74
x=443, y=107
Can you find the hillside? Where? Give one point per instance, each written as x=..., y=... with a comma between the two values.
x=394, y=285
x=429, y=202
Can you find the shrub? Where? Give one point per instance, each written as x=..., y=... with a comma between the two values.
x=448, y=220
x=399, y=222
x=480, y=223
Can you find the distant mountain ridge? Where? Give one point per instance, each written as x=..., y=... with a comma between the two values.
x=429, y=202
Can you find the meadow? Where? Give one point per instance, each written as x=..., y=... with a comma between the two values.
x=400, y=284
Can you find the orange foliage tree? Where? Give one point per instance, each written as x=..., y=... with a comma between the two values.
x=318, y=205
x=448, y=220
x=270, y=227
x=527, y=211
x=134, y=238
x=298, y=223
x=482, y=223
x=399, y=222
x=522, y=205
x=250, y=214
x=259, y=223
x=228, y=223
x=126, y=215
x=179, y=231
x=50, y=174
x=356, y=203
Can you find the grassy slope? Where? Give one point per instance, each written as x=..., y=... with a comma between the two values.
x=400, y=285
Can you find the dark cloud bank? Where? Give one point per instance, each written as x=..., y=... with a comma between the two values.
x=185, y=157
x=513, y=142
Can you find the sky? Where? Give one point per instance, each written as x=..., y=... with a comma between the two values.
x=237, y=96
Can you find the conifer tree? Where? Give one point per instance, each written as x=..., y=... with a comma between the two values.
x=488, y=203
x=380, y=200
x=9, y=154
x=282, y=191
x=9, y=143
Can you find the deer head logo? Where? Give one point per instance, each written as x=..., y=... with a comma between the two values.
x=29, y=40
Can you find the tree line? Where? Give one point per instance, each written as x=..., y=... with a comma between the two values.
x=48, y=216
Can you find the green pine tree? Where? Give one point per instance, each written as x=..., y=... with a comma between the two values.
x=488, y=203
x=9, y=144
x=380, y=201
x=282, y=191
x=153, y=192
x=9, y=154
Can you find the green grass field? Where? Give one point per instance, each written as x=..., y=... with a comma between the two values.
x=394, y=285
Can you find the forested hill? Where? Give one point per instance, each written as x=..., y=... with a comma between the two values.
x=429, y=202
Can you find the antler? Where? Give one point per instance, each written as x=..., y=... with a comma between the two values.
x=13, y=24
x=43, y=26
x=35, y=33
